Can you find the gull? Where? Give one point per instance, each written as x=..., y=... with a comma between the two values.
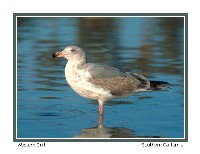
x=101, y=82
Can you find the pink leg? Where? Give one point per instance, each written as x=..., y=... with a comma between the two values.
x=100, y=119
x=100, y=107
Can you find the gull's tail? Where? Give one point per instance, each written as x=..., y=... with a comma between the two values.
x=157, y=84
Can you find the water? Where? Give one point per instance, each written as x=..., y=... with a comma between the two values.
x=48, y=108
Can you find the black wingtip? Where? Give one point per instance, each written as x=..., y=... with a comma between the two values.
x=157, y=84
x=53, y=55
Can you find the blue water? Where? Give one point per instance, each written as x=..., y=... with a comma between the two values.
x=48, y=108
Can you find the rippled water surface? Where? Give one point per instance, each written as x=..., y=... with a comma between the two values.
x=48, y=108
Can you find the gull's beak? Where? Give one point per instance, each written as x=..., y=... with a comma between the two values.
x=57, y=54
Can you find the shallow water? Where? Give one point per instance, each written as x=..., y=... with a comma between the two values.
x=48, y=108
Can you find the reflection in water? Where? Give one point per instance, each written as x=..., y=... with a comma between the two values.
x=103, y=38
x=102, y=33
x=102, y=131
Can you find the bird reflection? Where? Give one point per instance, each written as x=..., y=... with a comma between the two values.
x=101, y=131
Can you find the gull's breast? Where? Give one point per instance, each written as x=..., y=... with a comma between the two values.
x=78, y=79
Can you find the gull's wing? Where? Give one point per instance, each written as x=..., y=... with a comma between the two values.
x=120, y=84
x=105, y=72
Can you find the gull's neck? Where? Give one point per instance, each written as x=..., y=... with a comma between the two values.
x=76, y=63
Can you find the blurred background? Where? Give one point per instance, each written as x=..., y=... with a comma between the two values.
x=48, y=108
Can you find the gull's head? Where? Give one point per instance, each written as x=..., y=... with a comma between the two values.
x=71, y=53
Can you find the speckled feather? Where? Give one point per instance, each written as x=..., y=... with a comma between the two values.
x=118, y=86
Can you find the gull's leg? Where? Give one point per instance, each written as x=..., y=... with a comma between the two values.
x=100, y=120
x=100, y=106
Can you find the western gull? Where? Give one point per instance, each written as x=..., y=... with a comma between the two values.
x=101, y=82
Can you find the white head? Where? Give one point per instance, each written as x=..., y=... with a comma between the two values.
x=72, y=54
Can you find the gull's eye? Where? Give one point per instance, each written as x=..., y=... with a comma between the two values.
x=72, y=50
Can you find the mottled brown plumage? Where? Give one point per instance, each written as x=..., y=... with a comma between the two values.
x=118, y=86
